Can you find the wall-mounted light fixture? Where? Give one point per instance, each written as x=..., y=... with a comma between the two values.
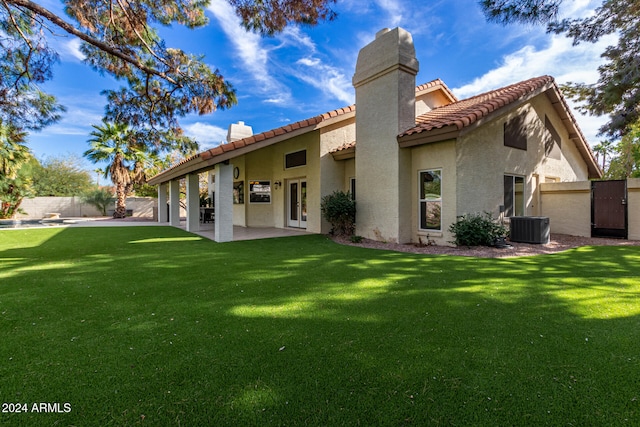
x=277, y=184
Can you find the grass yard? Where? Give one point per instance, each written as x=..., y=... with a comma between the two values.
x=154, y=326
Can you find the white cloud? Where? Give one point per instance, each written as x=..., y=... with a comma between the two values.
x=330, y=80
x=80, y=115
x=309, y=62
x=560, y=59
x=294, y=36
x=208, y=136
x=253, y=55
x=71, y=49
x=394, y=10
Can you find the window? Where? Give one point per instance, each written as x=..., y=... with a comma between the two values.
x=430, y=183
x=515, y=133
x=294, y=160
x=260, y=191
x=513, y=195
x=238, y=193
x=352, y=188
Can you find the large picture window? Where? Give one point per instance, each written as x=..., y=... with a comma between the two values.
x=430, y=182
x=513, y=195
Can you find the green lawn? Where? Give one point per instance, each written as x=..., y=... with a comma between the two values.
x=154, y=326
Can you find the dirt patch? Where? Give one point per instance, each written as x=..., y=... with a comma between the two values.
x=557, y=243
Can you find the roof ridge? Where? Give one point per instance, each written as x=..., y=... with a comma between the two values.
x=435, y=83
x=476, y=107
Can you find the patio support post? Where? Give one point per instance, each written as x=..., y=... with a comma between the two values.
x=174, y=201
x=224, y=203
x=163, y=214
x=210, y=186
x=193, y=203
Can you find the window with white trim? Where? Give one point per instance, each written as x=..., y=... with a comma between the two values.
x=430, y=202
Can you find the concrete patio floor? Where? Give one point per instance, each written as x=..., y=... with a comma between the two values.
x=206, y=229
x=247, y=233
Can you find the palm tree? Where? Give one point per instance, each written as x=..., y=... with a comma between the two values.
x=14, y=154
x=114, y=143
x=605, y=148
x=13, y=151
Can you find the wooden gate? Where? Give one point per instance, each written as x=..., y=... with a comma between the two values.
x=609, y=209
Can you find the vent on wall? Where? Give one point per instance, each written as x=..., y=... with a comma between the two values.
x=529, y=229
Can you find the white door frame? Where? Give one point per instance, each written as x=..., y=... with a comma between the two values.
x=297, y=203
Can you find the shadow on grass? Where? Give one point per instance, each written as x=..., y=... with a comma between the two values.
x=153, y=325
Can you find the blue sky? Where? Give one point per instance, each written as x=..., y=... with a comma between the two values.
x=306, y=71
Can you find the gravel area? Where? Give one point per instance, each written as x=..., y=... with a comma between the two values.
x=557, y=243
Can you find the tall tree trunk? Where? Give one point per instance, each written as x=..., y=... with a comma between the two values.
x=121, y=202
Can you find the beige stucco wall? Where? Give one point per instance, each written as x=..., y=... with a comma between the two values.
x=568, y=206
x=334, y=173
x=268, y=164
x=441, y=155
x=633, y=194
x=483, y=160
x=349, y=173
x=429, y=100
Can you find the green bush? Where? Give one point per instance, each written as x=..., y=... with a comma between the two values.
x=476, y=230
x=101, y=199
x=340, y=210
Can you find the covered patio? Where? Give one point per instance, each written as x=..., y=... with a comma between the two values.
x=206, y=230
x=246, y=233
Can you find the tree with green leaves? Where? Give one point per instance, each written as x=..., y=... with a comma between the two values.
x=626, y=163
x=100, y=198
x=120, y=38
x=604, y=149
x=617, y=92
x=14, y=184
x=115, y=144
x=60, y=176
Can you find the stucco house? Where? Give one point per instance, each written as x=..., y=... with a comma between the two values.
x=415, y=157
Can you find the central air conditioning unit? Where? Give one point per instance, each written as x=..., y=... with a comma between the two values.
x=529, y=229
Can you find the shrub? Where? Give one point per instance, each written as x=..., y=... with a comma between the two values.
x=100, y=199
x=476, y=230
x=340, y=210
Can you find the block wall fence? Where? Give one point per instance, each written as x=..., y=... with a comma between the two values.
x=69, y=207
x=568, y=206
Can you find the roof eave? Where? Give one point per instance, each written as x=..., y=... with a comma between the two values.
x=428, y=137
x=346, y=154
x=205, y=160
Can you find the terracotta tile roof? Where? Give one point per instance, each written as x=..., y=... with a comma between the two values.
x=466, y=112
x=343, y=147
x=230, y=146
x=437, y=83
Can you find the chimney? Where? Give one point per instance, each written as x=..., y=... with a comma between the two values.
x=385, y=84
x=238, y=131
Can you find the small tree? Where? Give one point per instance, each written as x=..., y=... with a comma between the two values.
x=340, y=210
x=100, y=198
